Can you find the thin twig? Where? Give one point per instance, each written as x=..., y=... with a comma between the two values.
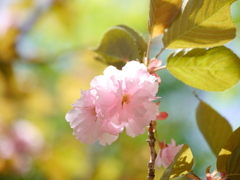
x=195, y=176
x=160, y=68
x=148, y=49
x=151, y=141
x=195, y=94
x=160, y=52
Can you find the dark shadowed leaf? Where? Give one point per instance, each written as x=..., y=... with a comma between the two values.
x=202, y=23
x=140, y=42
x=214, y=69
x=161, y=15
x=233, y=165
x=232, y=143
x=181, y=164
x=215, y=128
x=120, y=44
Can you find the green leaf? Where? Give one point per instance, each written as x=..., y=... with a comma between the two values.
x=120, y=44
x=233, y=165
x=140, y=42
x=215, y=128
x=161, y=15
x=214, y=69
x=180, y=178
x=232, y=143
x=181, y=165
x=202, y=23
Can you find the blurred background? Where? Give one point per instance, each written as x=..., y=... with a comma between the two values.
x=46, y=59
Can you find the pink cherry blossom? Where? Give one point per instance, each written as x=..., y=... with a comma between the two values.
x=19, y=144
x=125, y=97
x=117, y=99
x=167, y=153
x=24, y=134
x=87, y=125
x=209, y=175
x=212, y=176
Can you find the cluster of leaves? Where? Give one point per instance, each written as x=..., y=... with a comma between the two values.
x=198, y=31
x=223, y=141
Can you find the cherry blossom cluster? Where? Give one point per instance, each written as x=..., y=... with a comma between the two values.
x=117, y=100
x=19, y=144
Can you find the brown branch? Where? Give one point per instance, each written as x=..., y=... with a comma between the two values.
x=148, y=50
x=151, y=141
x=160, y=52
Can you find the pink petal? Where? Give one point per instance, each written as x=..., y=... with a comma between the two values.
x=162, y=116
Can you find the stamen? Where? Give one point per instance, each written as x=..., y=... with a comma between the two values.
x=125, y=99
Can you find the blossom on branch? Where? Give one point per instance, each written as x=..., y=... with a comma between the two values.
x=167, y=153
x=86, y=123
x=212, y=176
x=117, y=100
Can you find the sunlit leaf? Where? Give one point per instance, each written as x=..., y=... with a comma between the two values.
x=233, y=165
x=215, y=128
x=232, y=143
x=181, y=164
x=117, y=47
x=161, y=15
x=184, y=162
x=202, y=23
x=180, y=178
x=214, y=69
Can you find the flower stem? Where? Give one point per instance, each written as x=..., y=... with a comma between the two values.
x=151, y=141
x=192, y=175
x=148, y=49
x=160, y=52
x=160, y=68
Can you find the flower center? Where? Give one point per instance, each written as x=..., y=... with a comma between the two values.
x=125, y=99
x=91, y=111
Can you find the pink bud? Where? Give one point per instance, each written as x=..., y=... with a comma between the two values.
x=162, y=116
x=152, y=66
